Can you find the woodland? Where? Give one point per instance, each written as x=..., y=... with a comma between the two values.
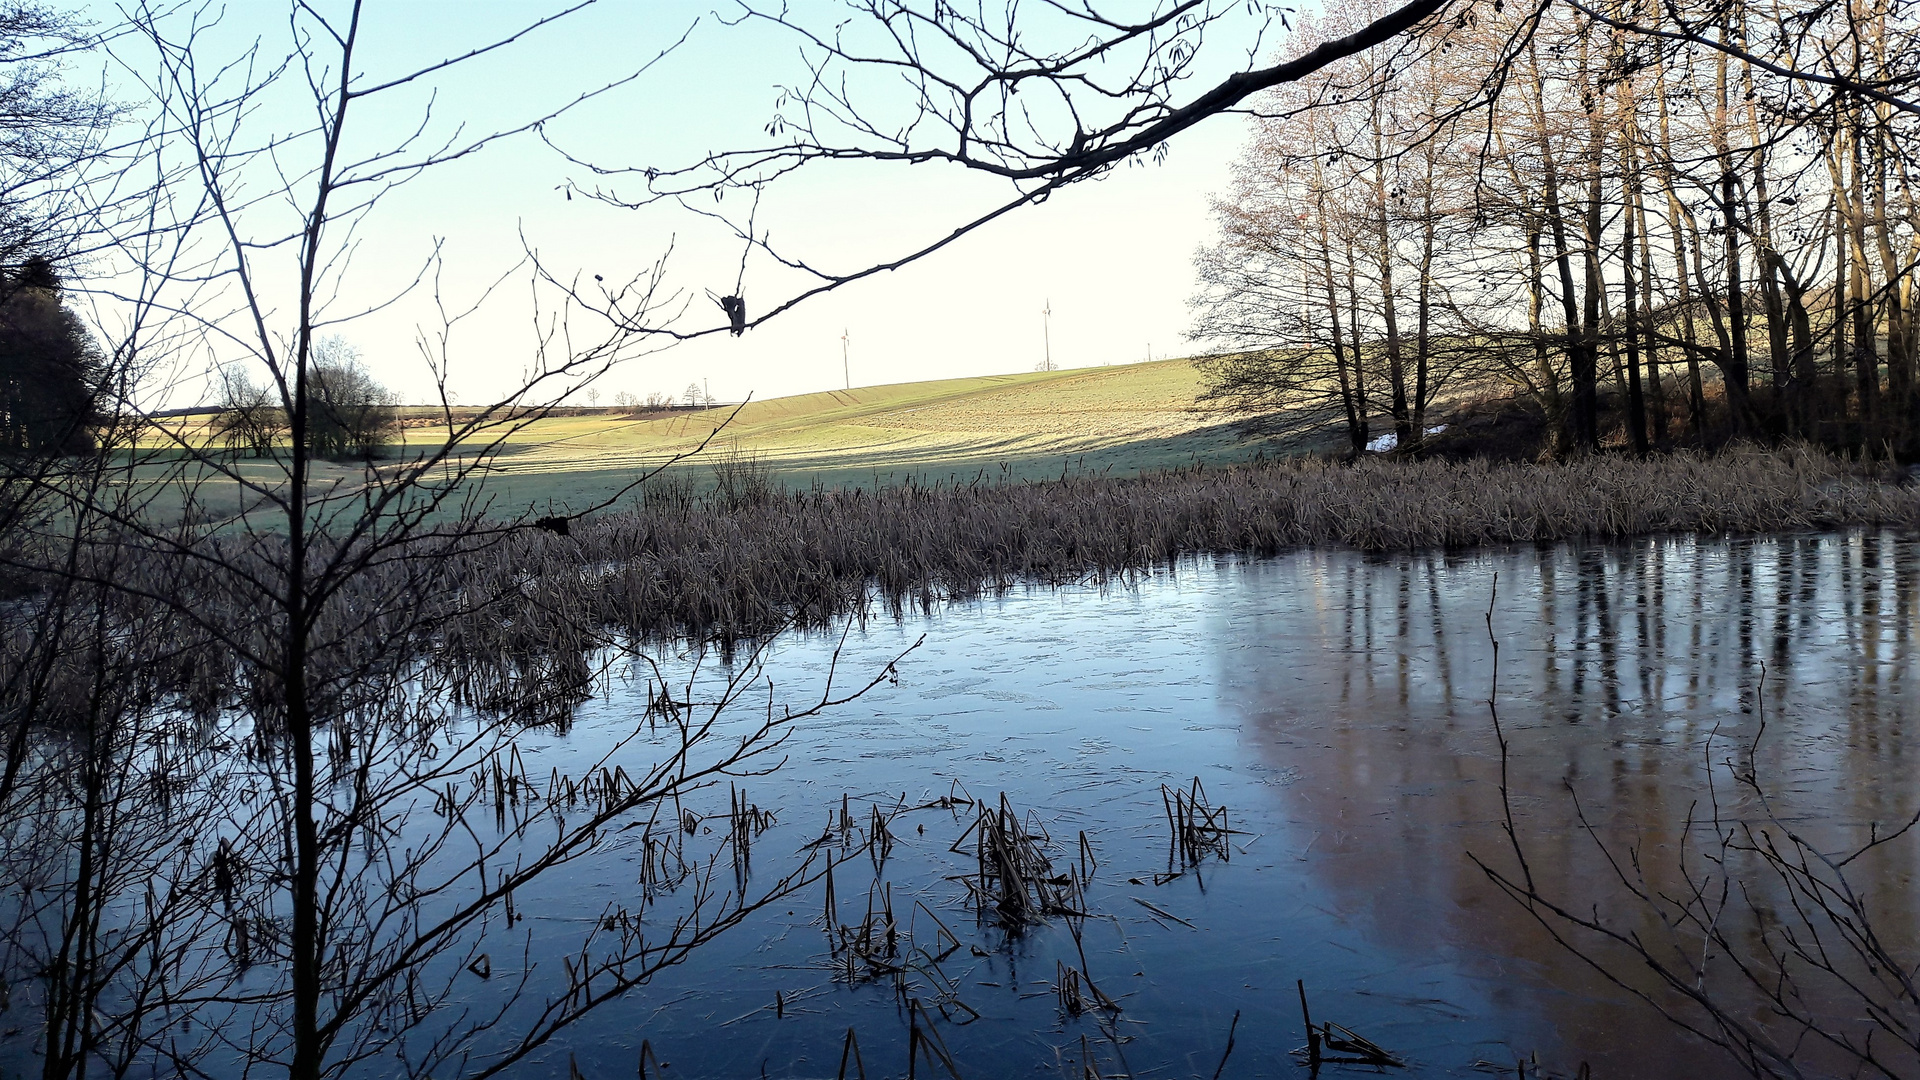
x=1648, y=227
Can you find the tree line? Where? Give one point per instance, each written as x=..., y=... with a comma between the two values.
x=1655, y=225
x=349, y=414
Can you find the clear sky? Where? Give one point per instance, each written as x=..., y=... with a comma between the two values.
x=1112, y=258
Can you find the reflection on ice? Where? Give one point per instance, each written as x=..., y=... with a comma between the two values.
x=1334, y=704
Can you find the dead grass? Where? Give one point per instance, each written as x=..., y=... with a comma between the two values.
x=513, y=618
x=745, y=558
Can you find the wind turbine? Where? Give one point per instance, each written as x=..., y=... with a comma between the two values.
x=844, y=369
x=1046, y=335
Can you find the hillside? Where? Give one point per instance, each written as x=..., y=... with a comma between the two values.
x=1120, y=419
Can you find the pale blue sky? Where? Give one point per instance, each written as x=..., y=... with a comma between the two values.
x=1113, y=258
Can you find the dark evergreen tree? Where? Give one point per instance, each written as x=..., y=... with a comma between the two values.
x=50, y=368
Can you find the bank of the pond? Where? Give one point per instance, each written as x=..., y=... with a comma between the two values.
x=513, y=615
x=745, y=557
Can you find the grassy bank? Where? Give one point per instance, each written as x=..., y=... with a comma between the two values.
x=735, y=555
x=745, y=557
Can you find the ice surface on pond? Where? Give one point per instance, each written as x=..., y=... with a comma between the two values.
x=1335, y=702
x=1332, y=706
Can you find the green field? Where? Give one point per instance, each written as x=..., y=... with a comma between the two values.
x=1119, y=420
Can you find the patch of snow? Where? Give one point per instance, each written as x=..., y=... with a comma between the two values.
x=1382, y=443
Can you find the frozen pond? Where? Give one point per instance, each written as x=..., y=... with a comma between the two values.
x=1336, y=704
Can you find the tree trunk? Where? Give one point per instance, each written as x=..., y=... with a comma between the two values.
x=1591, y=227
x=1584, y=433
x=1656, y=392
x=1549, y=380
x=1353, y=335
x=1630, y=309
x=1842, y=272
x=1734, y=370
x=1423, y=332
x=1353, y=392
x=1899, y=359
x=1677, y=220
x=1866, y=358
x=1396, y=372
x=1805, y=373
x=1636, y=400
x=1733, y=365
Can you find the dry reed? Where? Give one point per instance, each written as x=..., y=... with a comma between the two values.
x=746, y=559
x=1195, y=828
x=512, y=620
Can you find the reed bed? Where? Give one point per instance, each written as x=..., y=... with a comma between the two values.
x=511, y=622
x=744, y=558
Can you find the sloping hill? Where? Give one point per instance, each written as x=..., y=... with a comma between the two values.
x=1122, y=419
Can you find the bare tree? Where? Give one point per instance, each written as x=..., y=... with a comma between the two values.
x=250, y=420
x=324, y=726
x=1331, y=258
x=352, y=415
x=1038, y=104
x=49, y=130
x=1651, y=206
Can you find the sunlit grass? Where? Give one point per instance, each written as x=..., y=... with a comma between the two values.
x=1120, y=421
